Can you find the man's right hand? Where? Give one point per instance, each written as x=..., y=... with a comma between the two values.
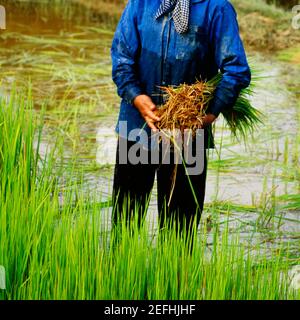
x=146, y=108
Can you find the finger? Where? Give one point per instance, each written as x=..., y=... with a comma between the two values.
x=153, y=116
x=152, y=107
x=151, y=125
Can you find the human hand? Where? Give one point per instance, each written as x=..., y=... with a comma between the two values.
x=208, y=119
x=146, y=108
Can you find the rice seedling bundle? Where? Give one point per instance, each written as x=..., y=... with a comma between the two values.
x=186, y=106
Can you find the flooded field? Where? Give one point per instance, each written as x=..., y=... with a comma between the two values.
x=67, y=66
x=55, y=209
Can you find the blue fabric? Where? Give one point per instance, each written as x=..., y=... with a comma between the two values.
x=148, y=53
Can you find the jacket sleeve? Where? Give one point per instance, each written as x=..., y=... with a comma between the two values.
x=124, y=51
x=230, y=58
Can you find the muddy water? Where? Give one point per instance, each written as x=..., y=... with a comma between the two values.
x=69, y=68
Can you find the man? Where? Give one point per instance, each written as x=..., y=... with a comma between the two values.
x=170, y=42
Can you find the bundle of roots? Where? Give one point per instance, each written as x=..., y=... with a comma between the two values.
x=185, y=106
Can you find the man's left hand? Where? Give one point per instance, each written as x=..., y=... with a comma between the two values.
x=208, y=119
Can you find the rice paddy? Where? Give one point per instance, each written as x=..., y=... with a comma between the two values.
x=55, y=236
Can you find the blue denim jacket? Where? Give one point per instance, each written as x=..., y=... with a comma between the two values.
x=148, y=53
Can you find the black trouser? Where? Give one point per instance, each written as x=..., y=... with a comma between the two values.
x=133, y=184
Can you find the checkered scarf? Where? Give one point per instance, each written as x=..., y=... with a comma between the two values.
x=181, y=11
